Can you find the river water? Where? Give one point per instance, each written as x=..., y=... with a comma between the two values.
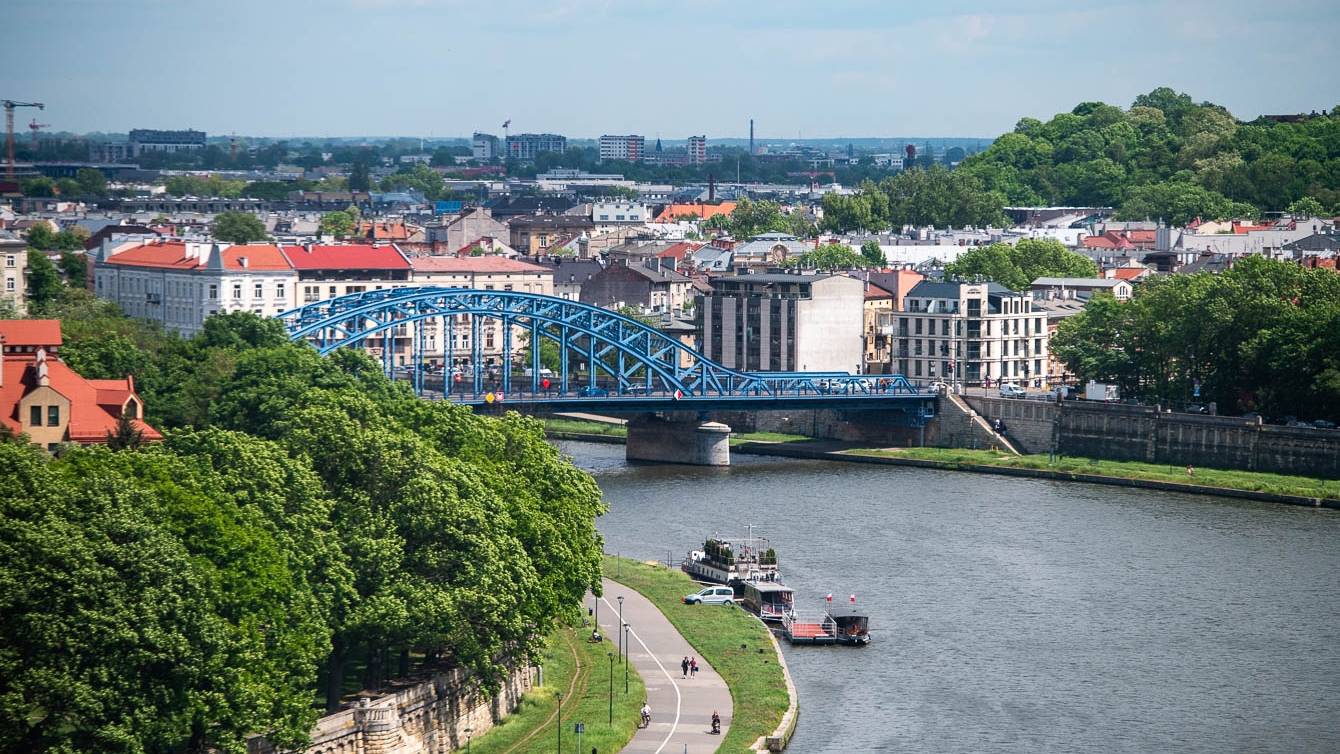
x=1014, y=615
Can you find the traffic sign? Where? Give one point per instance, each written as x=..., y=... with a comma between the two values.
x=488, y=398
x=678, y=394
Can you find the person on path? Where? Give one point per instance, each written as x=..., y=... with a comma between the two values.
x=693, y=667
x=684, y=665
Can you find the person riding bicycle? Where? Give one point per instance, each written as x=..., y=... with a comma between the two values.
x=646, y=714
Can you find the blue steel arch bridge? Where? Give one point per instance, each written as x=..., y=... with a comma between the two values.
x=608, y=362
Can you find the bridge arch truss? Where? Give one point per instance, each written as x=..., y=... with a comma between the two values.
x=631, y=356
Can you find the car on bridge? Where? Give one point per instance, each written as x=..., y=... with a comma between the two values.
x=1008, y=390
x=593, y=391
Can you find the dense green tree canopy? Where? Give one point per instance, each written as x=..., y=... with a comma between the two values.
x=238, y=227
x=1262, y=336
x=1165, y=157
x=932, y=196
x=1016, y=267
x=303, y=512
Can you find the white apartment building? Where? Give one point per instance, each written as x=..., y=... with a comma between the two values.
x=609, y=216
x=483, y=147
x=13, y=266
x=697, y=150
x=630, y=148
x=181, y=283
x=968, y=333
x=459, y=334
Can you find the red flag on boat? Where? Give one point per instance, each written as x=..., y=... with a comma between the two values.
x=853, y=598
x=830, y=598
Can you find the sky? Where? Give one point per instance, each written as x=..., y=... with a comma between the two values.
x=582, y=68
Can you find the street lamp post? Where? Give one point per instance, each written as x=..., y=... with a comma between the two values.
x=559, y=694
x=611, y=656
x=625, y=659
x=620, y=621
x=467, y=740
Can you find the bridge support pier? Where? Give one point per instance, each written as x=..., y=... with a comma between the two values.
x=687, y=441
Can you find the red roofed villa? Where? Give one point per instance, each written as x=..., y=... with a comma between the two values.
x=49, y=402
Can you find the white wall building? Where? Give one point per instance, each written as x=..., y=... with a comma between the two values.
x=630, y=148
x=181, y=283
x=971, y=332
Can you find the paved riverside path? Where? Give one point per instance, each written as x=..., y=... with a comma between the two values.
x=681, y=708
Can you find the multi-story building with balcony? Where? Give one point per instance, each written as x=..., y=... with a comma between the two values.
x=630, y=148
x=697, y=150
x=483, y=147
x=526, y=146
x=968, y=333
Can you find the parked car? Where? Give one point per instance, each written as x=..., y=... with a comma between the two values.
x=1323, y=424
x=1008, y=390
x=712, y=595
x=544, y=372
x=939, y=387
x=592, y=391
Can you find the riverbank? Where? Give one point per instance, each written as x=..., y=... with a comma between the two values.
x=738, y=646
x=1243, y=485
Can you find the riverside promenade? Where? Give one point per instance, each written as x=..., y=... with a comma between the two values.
x=681, y=708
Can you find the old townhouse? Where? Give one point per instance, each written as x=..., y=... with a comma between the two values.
x=970, y=333
x=455, y=338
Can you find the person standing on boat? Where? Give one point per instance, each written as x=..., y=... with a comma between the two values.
x=693, y=667
x=684, y=665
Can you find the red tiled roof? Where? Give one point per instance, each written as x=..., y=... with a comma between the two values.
x=487, y=263
x=700, y=211
x=1129, y=273
x=258, y=256
x=30, y=332
x=90, y=419
x=170, y=254
x=873, y=292
x=346, y=257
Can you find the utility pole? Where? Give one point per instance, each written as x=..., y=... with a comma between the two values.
x=9, y=106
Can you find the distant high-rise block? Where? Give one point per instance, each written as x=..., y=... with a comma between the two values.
x=697, y=150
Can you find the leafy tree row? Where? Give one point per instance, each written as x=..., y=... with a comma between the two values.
x=918, y=197
x=1016, y=267
x=1262, y=336
x=304, y=513
x=1164, y=157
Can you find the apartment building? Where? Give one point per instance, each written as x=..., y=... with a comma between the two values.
x=783, y=322
x=969, y=333
x=630, y=148
x=182, y=283
x=483, y=147
x=455, y=338
x=697, y=150
x=526, y=146
x=13, y=267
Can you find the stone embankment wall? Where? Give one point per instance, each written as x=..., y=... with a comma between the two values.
x=426, y=718
x=1153, y=435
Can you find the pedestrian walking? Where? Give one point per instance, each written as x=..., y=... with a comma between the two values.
x=693, y=667
x=684, y=665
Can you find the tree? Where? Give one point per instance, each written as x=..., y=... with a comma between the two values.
x=238, y=227
x=833, y=256
x=1306, y=207
x=1016, y=267
x=338, y=224
x=125, y=436
x=41, y=236
x=359, y=178
x=75, y=269
x=40, y=186
x=872, y=254
x=43, y=281
x=92, y=182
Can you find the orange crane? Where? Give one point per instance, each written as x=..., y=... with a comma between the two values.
x=9, y=106
x=35, y=126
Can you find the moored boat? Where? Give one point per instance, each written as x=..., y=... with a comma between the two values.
x=769, y=600
x=851, y=627
x=733, y=561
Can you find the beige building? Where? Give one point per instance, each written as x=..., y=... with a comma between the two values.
x=460, y=333
x=970, y=333
x=14, y=267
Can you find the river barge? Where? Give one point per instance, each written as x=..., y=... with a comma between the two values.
x=851, y=627
x=806, y=629
x=769, y=600
x=734, y=562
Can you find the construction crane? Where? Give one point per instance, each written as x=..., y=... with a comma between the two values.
x=35, y=126
x=10, y=105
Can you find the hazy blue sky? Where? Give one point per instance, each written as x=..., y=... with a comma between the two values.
x=587, y=67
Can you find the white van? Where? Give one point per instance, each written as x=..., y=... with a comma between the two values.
x=712, y=595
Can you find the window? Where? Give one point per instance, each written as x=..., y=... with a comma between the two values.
x=260, y=290
x=237, y=291
x=213, y=291
x=9, y=284
x=602, y=217
x=53, y=416
x=279, y=290
x=35, y=416
x=9, y=261
x=132, y=410
x=332, y=292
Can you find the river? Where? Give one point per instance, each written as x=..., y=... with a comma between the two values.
x=1016, y=615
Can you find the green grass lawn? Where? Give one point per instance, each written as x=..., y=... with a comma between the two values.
x=732, y=640
x=1278, y=484
x=577, y=426
x=744, y=437
x=582, y=671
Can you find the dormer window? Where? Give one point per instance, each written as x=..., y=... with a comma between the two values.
x=132, y=410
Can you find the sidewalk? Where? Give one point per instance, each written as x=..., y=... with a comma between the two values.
x=681, y=708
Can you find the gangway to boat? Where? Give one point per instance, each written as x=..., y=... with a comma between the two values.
x=809, y=630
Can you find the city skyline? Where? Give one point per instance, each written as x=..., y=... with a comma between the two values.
x=584, y=68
